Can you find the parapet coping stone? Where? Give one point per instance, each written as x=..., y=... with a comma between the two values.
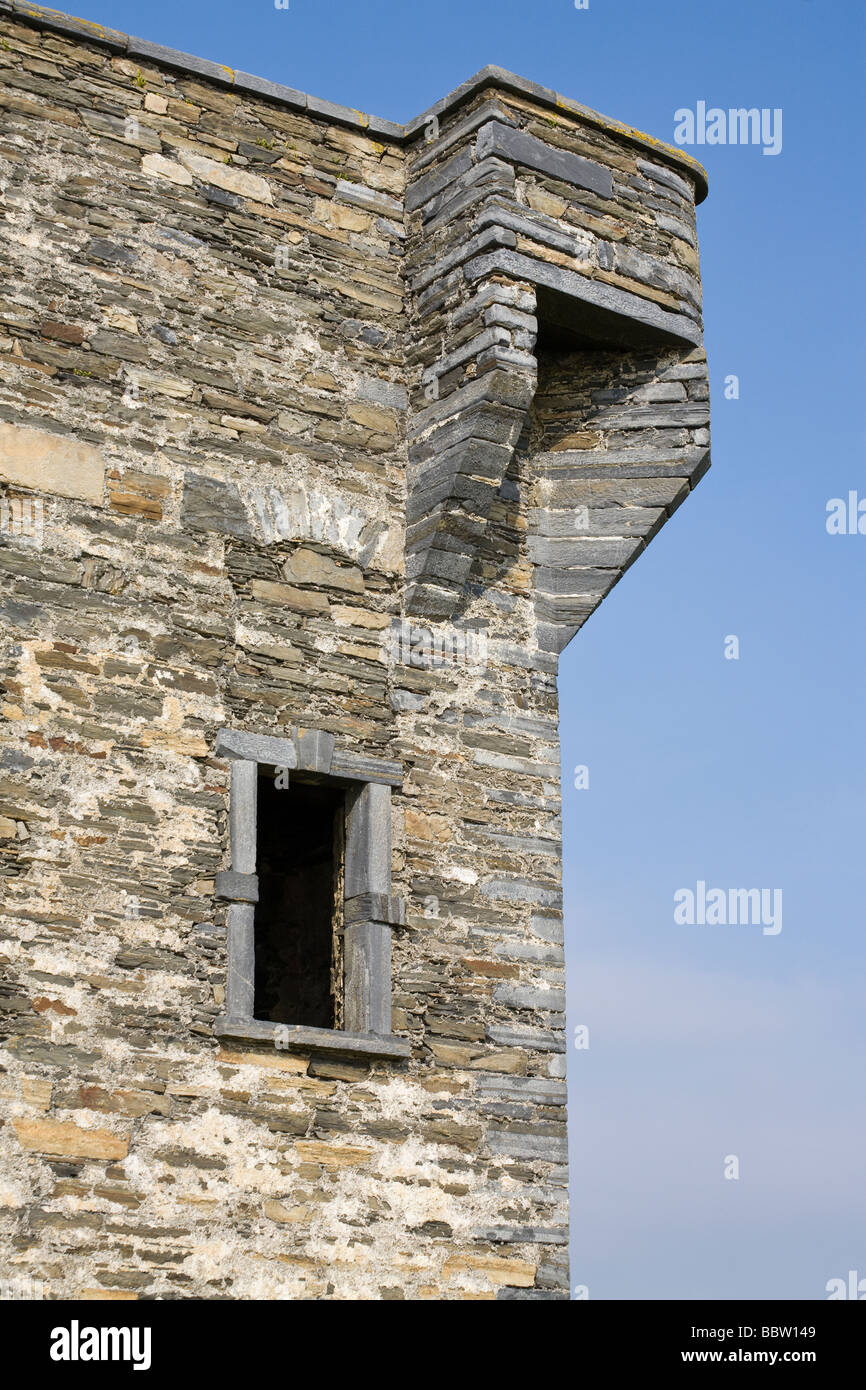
x=59, y=22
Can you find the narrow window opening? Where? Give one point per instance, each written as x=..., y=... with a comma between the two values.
x=298, y=919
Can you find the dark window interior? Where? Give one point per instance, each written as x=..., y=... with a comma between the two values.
x=299, y=859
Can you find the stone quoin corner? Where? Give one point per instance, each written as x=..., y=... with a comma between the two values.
x=282, y=903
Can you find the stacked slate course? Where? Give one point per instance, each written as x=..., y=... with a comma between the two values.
x=320, y=437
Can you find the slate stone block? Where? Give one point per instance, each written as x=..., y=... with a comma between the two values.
x=235, y=887
x=315, y=750
x=423, y=189
x=526, y=149
x=375, y=907
x=209, y=504
x=258, y=748
x=368, y=841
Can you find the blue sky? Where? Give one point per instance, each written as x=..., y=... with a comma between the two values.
x=705, y=1041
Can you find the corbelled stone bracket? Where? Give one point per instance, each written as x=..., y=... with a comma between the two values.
x=458, y=454
x=483, y=265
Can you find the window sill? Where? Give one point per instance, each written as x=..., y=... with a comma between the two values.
x=293, y=1037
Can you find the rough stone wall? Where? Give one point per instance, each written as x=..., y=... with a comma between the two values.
x=208, y=350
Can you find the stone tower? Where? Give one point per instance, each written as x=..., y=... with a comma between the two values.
x=320, y=437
